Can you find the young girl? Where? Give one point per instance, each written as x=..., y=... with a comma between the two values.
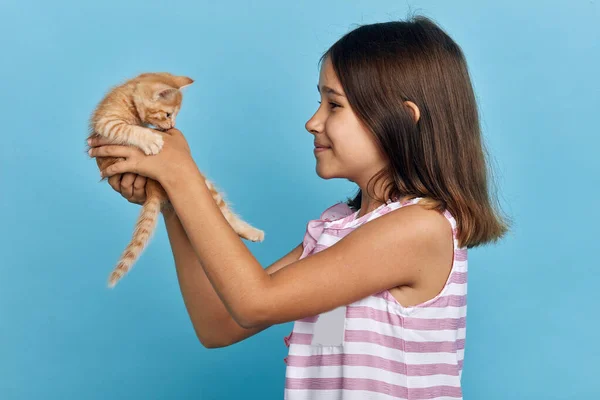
x=377, y=288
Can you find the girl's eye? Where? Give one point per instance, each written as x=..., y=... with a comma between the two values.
x=333, y=105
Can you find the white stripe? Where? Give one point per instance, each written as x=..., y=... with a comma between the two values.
x=327, y=240
x=360, y=372
x=373, y=349
x=303, y=327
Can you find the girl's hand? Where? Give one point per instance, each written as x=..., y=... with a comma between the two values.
x=131, y=186
x=172, y=162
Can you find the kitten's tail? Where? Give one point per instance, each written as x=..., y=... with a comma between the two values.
x=144, y=228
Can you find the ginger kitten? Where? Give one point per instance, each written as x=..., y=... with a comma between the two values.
x=125, y=116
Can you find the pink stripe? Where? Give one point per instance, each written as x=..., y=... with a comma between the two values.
x=364, y=360
x=406, y=322
x=309, y=319
x=372, y=386
x=341, y=232
x=300, y=338
x=318, y=248
x=336, y=211
x=363, y=336
x=451, y=300
x=458, y=277
x=460, y=254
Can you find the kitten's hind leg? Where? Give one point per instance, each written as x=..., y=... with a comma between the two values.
x=241, y=227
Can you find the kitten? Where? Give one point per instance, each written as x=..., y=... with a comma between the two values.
x=125, y=116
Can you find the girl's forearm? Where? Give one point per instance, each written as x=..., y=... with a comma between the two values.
x=212, y=322
x=238, y=278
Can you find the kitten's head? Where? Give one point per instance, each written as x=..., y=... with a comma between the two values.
x=159, y=98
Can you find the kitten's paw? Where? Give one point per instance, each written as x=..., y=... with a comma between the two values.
x=152, y=145
x=255, y=235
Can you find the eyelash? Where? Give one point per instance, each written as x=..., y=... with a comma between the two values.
x=333, y=104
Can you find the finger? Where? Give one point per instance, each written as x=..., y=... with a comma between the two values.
x=139, y=187
x=174, y=132
x=113, y=151
x=118, y=168
x=127, y=185
x=115, y=182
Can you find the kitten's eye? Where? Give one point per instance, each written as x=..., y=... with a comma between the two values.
x=168, y=115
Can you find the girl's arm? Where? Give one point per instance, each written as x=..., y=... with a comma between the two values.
x=405, y=247
x=212, y=323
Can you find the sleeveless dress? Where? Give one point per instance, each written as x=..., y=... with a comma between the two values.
x=375, y=348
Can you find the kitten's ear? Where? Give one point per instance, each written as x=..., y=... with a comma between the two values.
x=164, y=93
x=183, y=81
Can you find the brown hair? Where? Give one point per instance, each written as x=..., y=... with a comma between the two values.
x=442, y=158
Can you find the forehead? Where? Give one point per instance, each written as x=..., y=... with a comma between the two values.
x=327, y=76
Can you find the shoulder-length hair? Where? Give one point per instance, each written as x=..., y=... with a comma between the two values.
x=442, y=157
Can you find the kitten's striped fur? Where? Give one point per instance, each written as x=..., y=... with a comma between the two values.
x=124, y=116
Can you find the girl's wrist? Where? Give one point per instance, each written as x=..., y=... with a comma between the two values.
x=183, y=174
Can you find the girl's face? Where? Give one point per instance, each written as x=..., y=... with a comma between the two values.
x=350, y=151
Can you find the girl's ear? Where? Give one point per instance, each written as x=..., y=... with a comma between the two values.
x=183, y=81
x=414, y=110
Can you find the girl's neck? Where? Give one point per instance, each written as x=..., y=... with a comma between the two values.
x=368, y=204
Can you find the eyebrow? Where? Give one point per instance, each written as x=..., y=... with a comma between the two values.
x=329, y=90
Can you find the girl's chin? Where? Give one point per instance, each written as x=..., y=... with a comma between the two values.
x=324, y=173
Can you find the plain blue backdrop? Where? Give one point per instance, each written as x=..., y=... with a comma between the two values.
x=533, y=317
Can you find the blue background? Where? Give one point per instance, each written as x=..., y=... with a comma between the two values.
x=533, y=317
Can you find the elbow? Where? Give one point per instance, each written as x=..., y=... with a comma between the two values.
x=246, y=321
x=250, y=317
x=210, y=341
x=254, y=309
x=212, y=344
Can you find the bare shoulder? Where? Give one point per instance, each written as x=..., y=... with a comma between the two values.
x=429, y=228
x=430, y=225
x=412, y=233
x=433, y=232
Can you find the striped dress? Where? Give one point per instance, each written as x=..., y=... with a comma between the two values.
x=375, y=348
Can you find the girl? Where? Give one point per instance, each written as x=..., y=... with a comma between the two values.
x=377, y=288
